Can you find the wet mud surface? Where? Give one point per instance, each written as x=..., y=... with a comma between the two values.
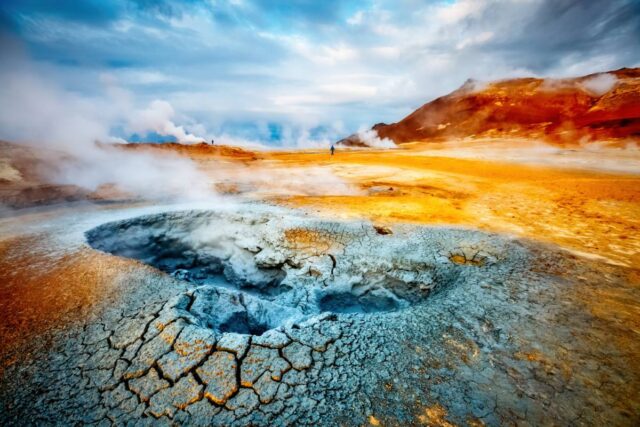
x=265, y=316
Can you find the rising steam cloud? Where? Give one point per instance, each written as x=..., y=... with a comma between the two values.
x=370, y=138
x=157, y=117
x=37, y=112
x=600, y=84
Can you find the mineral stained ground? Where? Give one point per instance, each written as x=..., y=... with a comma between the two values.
x=270, y=316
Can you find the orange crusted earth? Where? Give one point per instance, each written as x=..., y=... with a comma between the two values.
x=527, y=181
x=591, y=212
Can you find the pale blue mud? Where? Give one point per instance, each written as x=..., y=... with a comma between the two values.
x=264, y=316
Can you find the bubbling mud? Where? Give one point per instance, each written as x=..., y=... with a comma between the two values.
x=252, y=272
x=267, y=316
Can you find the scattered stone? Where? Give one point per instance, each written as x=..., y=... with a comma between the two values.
x=382, y=230
x=181, y=274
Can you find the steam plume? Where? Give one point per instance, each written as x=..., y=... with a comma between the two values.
x=157, y=117
x=600, y=84
x=38, y=112
x=371, y=139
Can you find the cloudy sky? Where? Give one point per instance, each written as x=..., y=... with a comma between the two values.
x=292, y=73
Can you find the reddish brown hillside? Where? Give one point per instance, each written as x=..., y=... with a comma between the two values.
x=603, y=105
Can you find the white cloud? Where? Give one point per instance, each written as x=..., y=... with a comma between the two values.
x=475, y=40
x=356, y=18
x=219, y=62
x=328, y=94
x=455, y=12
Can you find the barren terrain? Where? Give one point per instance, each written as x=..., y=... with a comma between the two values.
x=485, y=282
x=312, y=213
x=594, y=107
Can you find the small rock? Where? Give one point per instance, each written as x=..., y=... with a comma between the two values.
x=383, y=230
x=181, y=274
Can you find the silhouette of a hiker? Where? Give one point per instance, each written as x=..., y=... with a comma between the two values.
x=332, y=149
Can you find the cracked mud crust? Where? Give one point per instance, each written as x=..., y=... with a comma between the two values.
x=268, y=317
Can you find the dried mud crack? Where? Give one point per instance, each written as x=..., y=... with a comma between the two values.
x=263, y=317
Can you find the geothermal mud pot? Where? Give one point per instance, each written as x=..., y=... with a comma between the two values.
x=269, y=318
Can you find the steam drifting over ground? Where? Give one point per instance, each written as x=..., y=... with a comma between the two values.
x=49, y=117
x=600, y=84
x=371, y=139
x=157, y=117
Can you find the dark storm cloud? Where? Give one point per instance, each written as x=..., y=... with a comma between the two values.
x=581, y=28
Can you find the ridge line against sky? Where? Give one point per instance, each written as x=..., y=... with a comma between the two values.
x=296, y=73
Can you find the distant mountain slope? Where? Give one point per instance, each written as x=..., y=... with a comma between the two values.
x=603, y=105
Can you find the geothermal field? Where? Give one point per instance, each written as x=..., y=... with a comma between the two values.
x=258, y=213
x=452, y=284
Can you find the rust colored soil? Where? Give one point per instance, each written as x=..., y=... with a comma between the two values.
x=40, y=290
x=593, y=213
